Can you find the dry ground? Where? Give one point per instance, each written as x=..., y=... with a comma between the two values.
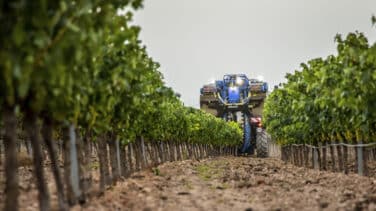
x=224, y=183
x=238, y=183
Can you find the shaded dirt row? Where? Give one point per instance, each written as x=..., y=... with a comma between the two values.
x=237, y=183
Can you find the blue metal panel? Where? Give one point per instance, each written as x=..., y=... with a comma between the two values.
x=264, y=87
x=233, y=95
x=219, y=84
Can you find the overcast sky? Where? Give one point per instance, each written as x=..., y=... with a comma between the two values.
x=196, y=41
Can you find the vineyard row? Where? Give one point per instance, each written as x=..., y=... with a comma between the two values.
x=76, y=159
x=77, y=71
x=330, y=100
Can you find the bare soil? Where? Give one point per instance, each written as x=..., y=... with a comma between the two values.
x=237, y=183
x=224, y=183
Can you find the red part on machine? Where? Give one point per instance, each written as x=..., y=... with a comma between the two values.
x=256, y=121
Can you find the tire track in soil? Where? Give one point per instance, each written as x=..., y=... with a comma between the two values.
x=237, y=183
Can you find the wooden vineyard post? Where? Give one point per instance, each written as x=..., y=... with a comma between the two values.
x=155, y=146
x=315, y=158
x=306, y=152
x=340, y=158
x=365, y=160
x=161, y=152
x=297, y=154
x=285, y=153
x=143, y=152
x=154, y=149
x=332, y=157
x=112, y=158
x=324, y=156
x=301, y=155
x=74, y=167
x=362, y=157
x=120, y=161
x=149, y=155
x=137, y=156
x=285, y=158
x=173, y=150
x=360, y=160
x=170, y=153
x=130, y=161
x=293, y=154
x=318, y=151
x=179, y=152
x=345, y=156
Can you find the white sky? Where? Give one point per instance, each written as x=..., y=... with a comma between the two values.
x=196, y=41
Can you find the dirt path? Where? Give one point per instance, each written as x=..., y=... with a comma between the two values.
x=238, y=183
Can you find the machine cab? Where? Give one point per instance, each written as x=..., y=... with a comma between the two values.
x=235, y=88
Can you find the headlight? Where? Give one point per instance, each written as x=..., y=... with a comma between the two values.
x=233, y=88
x=260, y=78
x=239, y=81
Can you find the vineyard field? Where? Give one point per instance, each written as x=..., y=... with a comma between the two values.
x=88, y=122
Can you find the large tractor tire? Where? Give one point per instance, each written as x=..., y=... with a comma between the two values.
x=246, y=148
x=261, y=144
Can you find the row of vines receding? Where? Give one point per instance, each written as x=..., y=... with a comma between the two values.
x=77, y=87
x=328, y=101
